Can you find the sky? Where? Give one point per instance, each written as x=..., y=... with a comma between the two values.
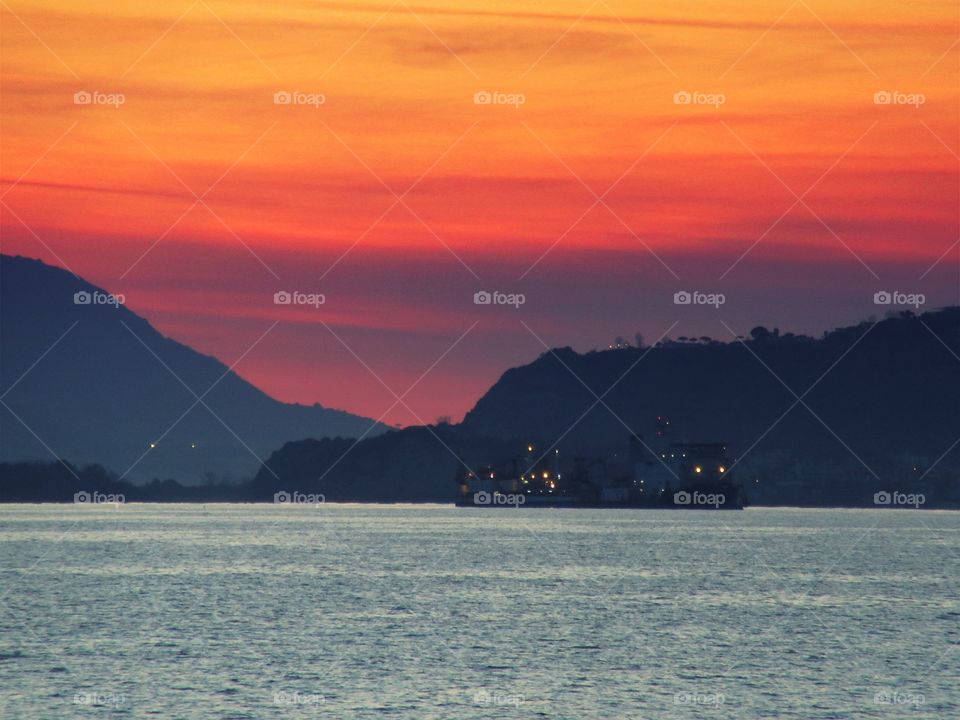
x=590, y=158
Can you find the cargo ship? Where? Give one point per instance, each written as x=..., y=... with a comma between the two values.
x=682, y=475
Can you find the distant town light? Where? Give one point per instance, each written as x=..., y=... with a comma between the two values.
x=722, y=469
x=698, y=469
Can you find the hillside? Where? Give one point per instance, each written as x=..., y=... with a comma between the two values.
x=883, y=413
x=112, y=386
x=895, y=382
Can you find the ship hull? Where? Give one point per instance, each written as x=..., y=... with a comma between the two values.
x=727, y=504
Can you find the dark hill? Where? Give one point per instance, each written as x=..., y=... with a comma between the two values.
x=100, y=396
x=416, y=464
x=883, y=413
x=879, y=386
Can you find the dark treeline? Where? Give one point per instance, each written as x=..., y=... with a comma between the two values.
x=62, y=482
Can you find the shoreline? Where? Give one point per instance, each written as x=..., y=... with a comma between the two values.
x=453, y=504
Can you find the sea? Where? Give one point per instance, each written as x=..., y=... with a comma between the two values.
x=319, y=610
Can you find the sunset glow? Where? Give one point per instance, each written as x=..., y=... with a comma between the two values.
x=795, y=156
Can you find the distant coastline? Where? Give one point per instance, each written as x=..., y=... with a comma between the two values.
x=831, y=421
x=60, y=483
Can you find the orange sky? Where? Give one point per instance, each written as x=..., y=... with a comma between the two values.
x=500, y=196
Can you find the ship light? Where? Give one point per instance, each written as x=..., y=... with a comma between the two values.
x=698, y=469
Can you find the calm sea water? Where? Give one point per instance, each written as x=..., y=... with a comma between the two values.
x=349, y=611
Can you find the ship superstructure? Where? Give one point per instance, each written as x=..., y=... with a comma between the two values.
x=691, y=475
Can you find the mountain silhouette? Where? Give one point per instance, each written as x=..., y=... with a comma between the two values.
x=876, y=387
x=827, y=421
x=93, y=382
x=809, y=421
